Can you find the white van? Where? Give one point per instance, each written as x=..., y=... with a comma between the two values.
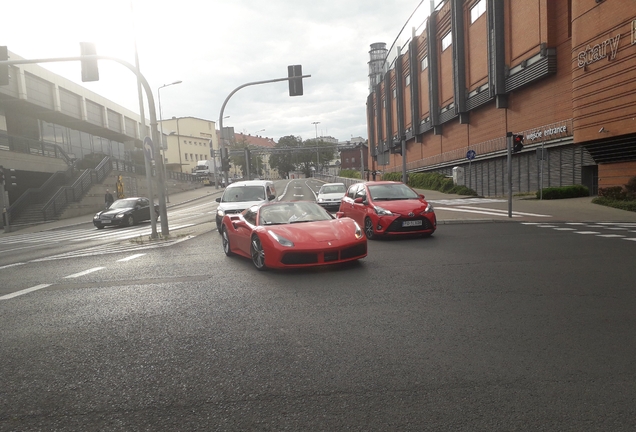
x=241, y=195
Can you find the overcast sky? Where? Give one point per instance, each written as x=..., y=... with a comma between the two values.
x=215, y=46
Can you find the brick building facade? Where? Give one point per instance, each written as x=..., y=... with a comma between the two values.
x=558, y=72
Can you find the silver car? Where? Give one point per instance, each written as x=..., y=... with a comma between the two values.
x=330, y=195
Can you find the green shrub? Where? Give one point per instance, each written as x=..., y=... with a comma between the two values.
x=431, y=181
x=619, y=204
x=630, y=187
x=613, y=193
x=574, y=191
x=349, y=173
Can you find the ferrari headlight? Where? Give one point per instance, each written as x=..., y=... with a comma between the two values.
x=381, y=211
x=220, y=213
x=120, y=215
x=429, y=209
x=280, y=239
x=359, y=233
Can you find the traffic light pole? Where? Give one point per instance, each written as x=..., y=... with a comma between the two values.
x=223, y=147
x=153, y=127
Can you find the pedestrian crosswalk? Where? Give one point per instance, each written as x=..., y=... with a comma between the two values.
x=83, y=234
x=468, y=205
x=618, y=230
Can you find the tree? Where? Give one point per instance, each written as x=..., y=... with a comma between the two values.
x=238, y=158
x=282, y=159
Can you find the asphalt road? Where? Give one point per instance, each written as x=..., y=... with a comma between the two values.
x=489, y=326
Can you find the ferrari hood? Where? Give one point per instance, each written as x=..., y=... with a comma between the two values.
x=322, y=231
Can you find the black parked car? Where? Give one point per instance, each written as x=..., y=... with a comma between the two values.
x=125, y=212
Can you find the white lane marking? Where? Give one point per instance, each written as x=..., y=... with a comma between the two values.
x=630, y=239
x=461, y=201
x=610, y=235
x=132, y=257
x=575, y=223
x=11, y=265
x=85, y=272
x=504, y=211
x=531, y=223
x=586, y=232
x=565, y=229
x=24, y=291
x=547, y=226
x=617, y=229
x=474, y=211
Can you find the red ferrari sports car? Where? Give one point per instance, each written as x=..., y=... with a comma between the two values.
x=388, y=208
x=291, y=235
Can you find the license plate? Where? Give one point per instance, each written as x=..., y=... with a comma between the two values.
x=411, y=223
x=105, y=221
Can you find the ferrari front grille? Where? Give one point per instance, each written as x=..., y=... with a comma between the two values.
x=292, y=258
x=354, y=251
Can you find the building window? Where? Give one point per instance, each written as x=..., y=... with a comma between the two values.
x=424, y=63
x=407, y=80
x=353, y=160
x=447, y=40
x=477, y=10
x=394, y=93
x=186, y=156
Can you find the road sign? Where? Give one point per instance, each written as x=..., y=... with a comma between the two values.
x=149, y=148
x=470, y=155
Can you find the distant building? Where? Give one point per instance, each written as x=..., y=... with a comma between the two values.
x=188, y=139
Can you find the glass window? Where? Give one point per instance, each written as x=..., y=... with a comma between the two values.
x=407, y=80
x=447, y=40
x=424, y=63
x=477, y=10
x=186, y=156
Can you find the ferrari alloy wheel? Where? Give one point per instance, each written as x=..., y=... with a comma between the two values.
x=368, y=229
x=130, y=220
x=258, y=254
x=226, y=242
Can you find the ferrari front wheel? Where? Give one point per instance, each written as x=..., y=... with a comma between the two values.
x=257, y=252
x=368, y=229
x=226, y=242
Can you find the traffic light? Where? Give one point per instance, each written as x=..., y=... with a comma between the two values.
x=4, y=69
x=225, y=160
x=517, y=143
x=90, y=72
x=295, y=84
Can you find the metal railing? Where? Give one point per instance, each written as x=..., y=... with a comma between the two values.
x=335, y=179
x=68, y=194
x=38, y=195
x=33, y=147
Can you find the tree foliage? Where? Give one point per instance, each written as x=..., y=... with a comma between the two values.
x=294, y=154
x=238, y=159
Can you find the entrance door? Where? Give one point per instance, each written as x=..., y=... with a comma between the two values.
x=589, y=178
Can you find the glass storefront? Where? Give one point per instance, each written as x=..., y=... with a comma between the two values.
x=80, y=144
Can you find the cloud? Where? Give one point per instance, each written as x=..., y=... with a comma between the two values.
x=216, y=46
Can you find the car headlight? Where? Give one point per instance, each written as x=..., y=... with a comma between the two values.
x=120, y=215
x=96, y=216
x=220, y=213
x=381, y=211
x=358, y=232
x=321, y=199
x=429, y=209
x=281, y=240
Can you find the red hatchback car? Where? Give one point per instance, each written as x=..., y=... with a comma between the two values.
x=387, y=208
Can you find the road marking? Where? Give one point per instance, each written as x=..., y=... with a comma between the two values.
x=630, y=239
x=85, y=272
x=132, y=257
x=505, y=211
x=586, y=232
x=565, y=229
x=610, y=235
x=547, y=226
x=24, y=291
x=474, y=211
x=11, y=265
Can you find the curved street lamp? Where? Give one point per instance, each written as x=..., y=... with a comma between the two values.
x=163, y=162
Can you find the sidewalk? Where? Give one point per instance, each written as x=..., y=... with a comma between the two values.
x=457, y=209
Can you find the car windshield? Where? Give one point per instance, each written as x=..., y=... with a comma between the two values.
x=244, y=193
x=328, y=189
x=292, y=212
x=123, y=203
x=390, y=192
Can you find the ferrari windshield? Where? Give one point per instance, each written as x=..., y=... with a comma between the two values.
x=292, y=212
x=390, y=192
x=244, y=193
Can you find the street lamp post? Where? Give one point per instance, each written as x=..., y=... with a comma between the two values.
x=161, y=134
x=317, y=153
